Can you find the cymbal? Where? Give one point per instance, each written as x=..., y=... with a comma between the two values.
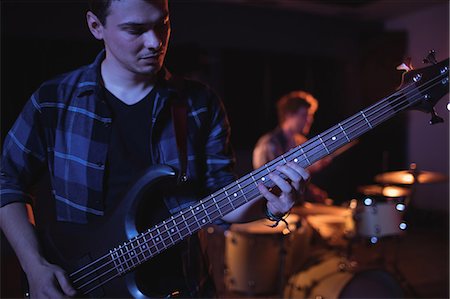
x=408, y=177
x=388, y=191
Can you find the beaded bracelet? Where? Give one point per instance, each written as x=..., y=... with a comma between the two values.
x=275, y=218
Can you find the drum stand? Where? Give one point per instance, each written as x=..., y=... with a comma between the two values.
x=382, y=259
x=282, y=281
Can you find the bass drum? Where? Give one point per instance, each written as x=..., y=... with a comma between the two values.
x=331, y=276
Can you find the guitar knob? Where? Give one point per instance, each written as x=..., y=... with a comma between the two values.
x=435, y=118
x=431, y=58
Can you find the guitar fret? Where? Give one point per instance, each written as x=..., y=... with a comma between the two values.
x=164, y=234
x=254, y=181
x=206, y=214
x=177, y=227
x=323, y=143
x=191, y=221
x=304, y=154
x=242, y=191
x=131, y=254
x=114, y=257
x=202, y=219
x=123, y=260
x=370, y=126
x=199, y=219
x=218, y=208
x=156, y=239
x=144, y=245
x=267, y=168
x=343, y=131
x=135, y=254
x=168, y=233
x=140, y=249
x=122, y=264
x=195, y=217
x=160, y=238
x=127, y=256
x=154, y=247
x=229, y=199
x=187, y=225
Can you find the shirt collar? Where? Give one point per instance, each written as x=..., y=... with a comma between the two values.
x=90, y=81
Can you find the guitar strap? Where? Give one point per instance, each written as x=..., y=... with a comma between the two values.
x=179, y=117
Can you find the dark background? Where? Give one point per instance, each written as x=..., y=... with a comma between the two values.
x=251, y=54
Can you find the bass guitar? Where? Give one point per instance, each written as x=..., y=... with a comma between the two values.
x=97, y=268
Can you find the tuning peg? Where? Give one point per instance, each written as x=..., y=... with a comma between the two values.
x=406, y=65
x=431, y=58
x=435, y=118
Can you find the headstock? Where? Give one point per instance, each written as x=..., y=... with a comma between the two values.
x=426, y=86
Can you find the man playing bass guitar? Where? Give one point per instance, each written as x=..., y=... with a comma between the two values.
x=96, y=129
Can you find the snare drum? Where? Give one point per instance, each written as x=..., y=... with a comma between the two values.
x=331, y=276
x=258, y=257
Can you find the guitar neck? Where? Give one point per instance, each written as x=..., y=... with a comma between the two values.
x=187, y=222
x=158, y=238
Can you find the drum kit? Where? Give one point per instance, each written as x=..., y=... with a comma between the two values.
x=290, y=262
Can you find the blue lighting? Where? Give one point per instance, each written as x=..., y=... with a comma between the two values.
x=402, y=226
x=373, y=240
x=368, y=201
x=400, y=207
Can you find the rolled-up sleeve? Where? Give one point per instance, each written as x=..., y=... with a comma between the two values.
x=24, y=155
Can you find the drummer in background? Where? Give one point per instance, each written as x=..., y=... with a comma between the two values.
x=295, y=117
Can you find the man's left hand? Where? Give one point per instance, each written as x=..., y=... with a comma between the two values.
x=281, y=202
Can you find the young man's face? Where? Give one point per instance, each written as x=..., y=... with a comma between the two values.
x=136, y=35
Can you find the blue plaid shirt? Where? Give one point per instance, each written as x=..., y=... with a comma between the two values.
x=64, y=129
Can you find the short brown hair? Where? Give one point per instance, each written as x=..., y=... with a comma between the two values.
x=100, y=8
x=291, y=102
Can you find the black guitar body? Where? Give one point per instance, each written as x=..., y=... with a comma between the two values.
x=75, y=246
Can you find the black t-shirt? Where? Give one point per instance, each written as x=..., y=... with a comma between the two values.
x=128, y=156
x=129, y=145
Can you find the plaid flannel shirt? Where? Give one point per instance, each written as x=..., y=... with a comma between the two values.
x=64, y=129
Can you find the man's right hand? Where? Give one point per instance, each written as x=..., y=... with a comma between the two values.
x=46, y=280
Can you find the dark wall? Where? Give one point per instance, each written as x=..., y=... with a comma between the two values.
x=250, y=55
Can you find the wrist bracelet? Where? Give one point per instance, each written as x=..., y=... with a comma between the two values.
x=275, y=218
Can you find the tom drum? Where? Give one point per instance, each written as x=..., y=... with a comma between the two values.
x=258, y=257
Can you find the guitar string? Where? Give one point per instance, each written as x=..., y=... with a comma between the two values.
x=252, y=183
x=323, y=135
x=329, y=133
x=367, y=114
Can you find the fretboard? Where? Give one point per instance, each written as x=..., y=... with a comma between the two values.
x=158, y=238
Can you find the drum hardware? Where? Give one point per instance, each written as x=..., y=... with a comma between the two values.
x=377, y=216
